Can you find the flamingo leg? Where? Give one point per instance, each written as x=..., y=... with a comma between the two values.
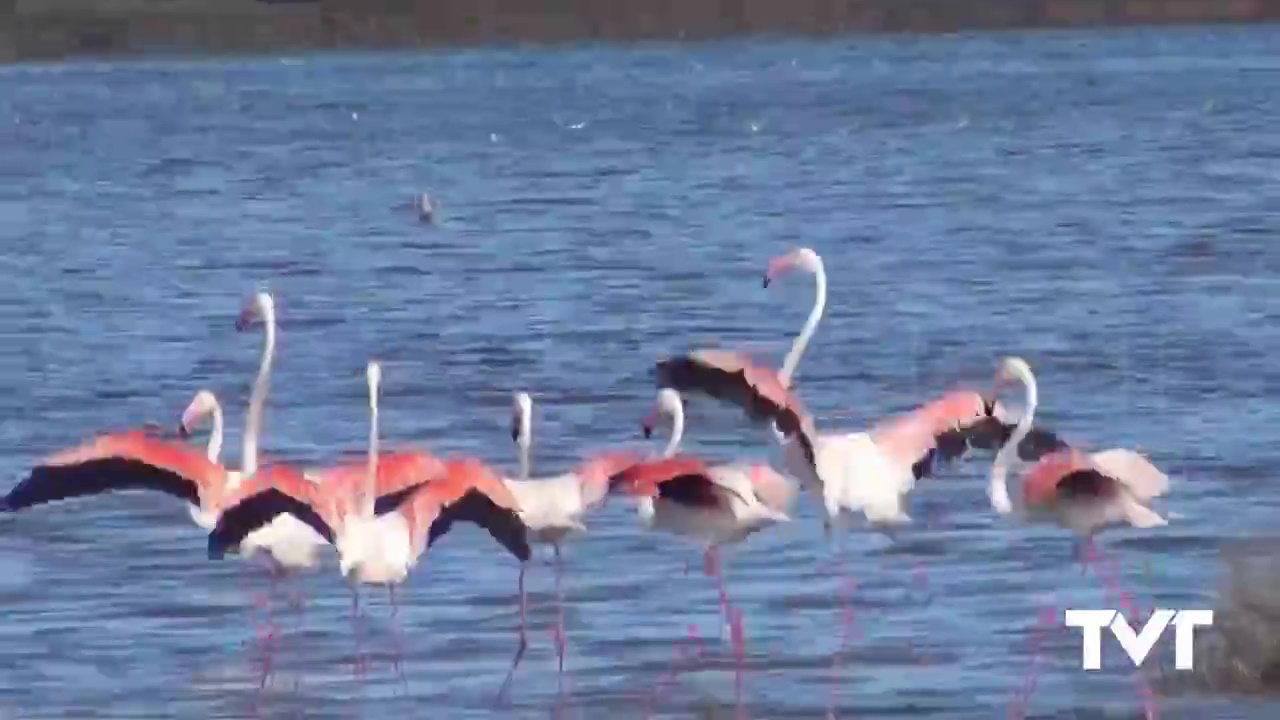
x=1107, y=571
x=357, y=628
x=522, y=645
x=397, y=637
x=267, y=631
x=733, y=616
x=559, y=634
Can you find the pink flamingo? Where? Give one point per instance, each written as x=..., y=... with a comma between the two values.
x=1082, y=492
x=713, y=505
x=138, y=460
x=868, y=472
x=368, y=513
x=553, y=508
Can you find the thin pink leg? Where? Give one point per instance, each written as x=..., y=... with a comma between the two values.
x=847, y=589
x=1045, y=621
x=733, y=616
x=397, y=638
x=521, y=646
x=1108, y=572
x=357, y=628
x=268, y=631
x=681, y=655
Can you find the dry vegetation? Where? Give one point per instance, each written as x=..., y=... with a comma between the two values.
x=35, y=29
x=1242, y=652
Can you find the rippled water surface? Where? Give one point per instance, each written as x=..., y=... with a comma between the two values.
x=1101, y=203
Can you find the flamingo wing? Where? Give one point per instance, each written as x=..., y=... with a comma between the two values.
x=940, y=431
x=122, y=461
x=272, y=491
x=734, y=378
x=466, y=490
x=502, y=524
x=1135, y=472
x=1063, y=474
x=681, y=479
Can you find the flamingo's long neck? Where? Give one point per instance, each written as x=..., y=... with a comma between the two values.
x=801, y=342
x=524, y=440
x=999, y=468
x=215, y=437
x=677, y=430
x=371, y=481
x=257, y=398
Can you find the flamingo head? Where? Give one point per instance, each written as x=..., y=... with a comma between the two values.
x=669, y=404
x=202, y=405
x=261, y=306
x=1011, y=370
x=521, y=412
x=801, y=258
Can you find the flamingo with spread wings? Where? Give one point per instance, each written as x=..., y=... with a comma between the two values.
x=713, y=505
x=383, y=515
x=553, y=508
x=1083, y=492
x=867, y=472
x=136, y=460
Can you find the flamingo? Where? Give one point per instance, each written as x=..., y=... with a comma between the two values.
x=867, y=472
x=367, y=546
x=290, y=543
x=1082, y=492
x=714, y=505
x=379, y=517
x=138, y=460
x=553, y=508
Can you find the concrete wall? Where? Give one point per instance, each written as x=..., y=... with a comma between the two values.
x=48, y=29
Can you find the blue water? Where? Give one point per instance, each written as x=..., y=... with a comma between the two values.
x=1099, y=203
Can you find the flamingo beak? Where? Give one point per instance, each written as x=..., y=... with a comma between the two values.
x=246, y=319
x=515, y=429
x=777, y=266
x=183, y=432
x=648, y=423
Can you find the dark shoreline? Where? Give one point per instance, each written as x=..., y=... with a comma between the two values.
x=42, y=30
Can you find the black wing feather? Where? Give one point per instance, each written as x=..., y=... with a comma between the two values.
x=238, y=521
x=1085, y=484
x=693, y=489
x=50, y=483
x=502, y=524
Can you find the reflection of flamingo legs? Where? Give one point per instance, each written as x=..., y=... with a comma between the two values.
x=397, y=638
x=522, y=645
x=847, y=589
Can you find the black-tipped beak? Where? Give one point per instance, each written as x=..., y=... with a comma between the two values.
x=766, y=282
x=245, y=320
x=515, y=434
x=183, y=432
x=648, y=431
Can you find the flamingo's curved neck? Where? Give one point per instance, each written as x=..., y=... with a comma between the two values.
x=1010, y=448
x=524, y=440
x=215, y=437
x=677, y=431
x=257, y=398
x=367, y=503
x=810, y=326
